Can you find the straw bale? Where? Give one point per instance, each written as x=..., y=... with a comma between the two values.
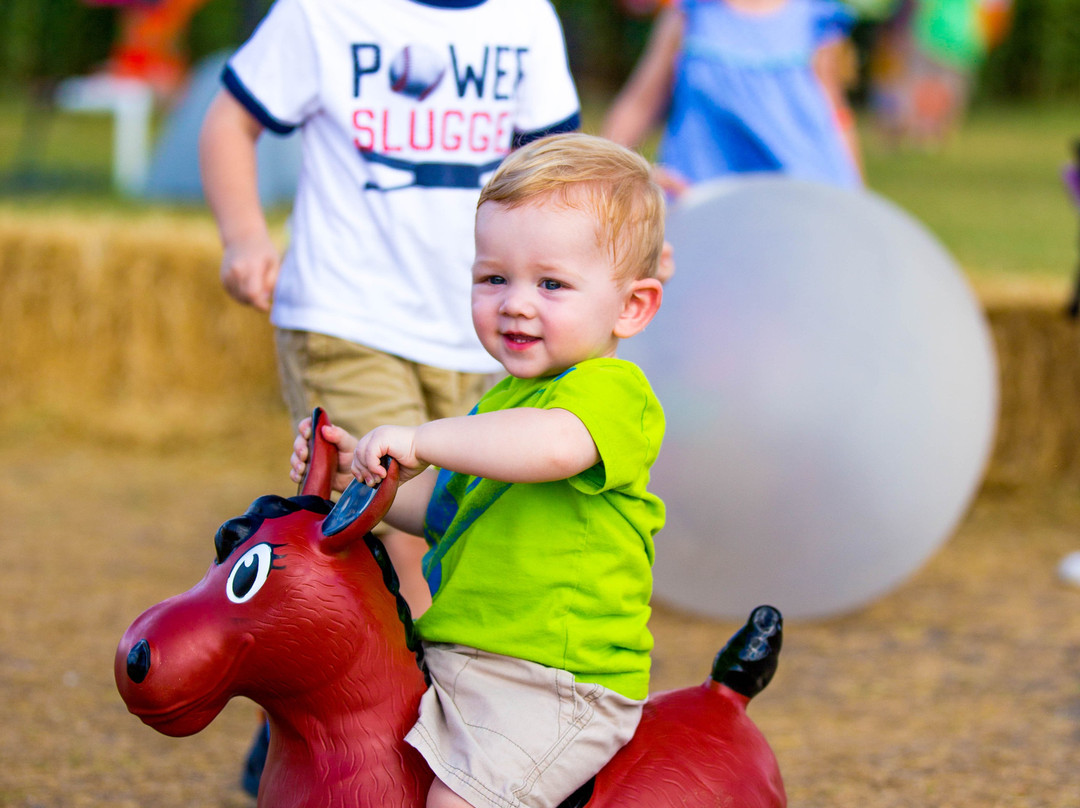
x=1038, y=350
x=118, y=314
x=107, y=319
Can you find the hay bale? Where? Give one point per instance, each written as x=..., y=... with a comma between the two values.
x=123, y=313
x=1039, y=358
x=118, y=325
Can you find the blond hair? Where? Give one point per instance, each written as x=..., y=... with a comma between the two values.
x=596, y=175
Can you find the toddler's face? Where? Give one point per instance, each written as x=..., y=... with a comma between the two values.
x=544, y=291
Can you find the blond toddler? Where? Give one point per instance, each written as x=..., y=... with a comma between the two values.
x=536, y=504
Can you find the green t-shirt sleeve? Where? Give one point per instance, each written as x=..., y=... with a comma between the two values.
x=617, y=406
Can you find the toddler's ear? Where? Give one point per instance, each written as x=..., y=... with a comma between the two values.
x=641, y=304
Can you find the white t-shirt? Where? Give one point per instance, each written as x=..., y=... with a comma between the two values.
x=405, y=107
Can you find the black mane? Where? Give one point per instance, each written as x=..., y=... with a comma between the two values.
x=239, y=529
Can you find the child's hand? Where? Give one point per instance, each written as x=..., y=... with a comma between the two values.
x=249, y=270
x=344, y=442
x=396, y=441
x=673, y=183
x=667, y=263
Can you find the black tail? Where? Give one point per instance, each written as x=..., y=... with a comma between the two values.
x=747, y=663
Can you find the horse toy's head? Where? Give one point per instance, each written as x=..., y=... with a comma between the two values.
x=299, y=612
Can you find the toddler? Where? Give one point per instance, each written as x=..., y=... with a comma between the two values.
x=539, y=519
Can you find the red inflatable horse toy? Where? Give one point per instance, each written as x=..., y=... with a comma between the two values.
x=300, y=613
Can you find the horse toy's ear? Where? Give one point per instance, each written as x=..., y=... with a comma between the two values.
x=322, y=459
x=359, y=509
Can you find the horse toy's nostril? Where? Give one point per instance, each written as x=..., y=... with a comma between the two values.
x=138, y=661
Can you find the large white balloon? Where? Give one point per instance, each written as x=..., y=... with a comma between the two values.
x=831, y=396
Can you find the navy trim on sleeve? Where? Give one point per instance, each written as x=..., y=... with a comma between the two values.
x=571, y=124
x=251, y=104
x=451, y=3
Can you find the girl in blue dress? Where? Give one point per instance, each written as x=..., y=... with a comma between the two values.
x=745, y=86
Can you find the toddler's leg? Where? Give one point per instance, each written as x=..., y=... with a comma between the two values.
x=440, y=796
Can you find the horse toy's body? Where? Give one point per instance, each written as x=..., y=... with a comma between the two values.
x=300, y=613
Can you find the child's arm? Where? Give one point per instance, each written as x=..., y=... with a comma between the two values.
x=834, y=66
x=250, y=264
x=643, y=102
x=410, y=502
x=522, y=445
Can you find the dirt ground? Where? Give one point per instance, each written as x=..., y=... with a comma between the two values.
x=961, y=688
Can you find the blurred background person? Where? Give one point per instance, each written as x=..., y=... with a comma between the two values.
x=744, y=86
x=924, y=65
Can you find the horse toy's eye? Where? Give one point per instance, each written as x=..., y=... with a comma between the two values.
x=249, y=573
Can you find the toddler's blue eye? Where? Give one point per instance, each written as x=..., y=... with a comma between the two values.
x=551, y=285
x=497, y=279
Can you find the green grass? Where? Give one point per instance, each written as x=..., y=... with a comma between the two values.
x=43, y=150
x=993, y=195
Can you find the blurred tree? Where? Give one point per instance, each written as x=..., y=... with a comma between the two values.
x=50, y=39
x=44, y=40
x=224, y=24
x=1040, y=55
x=602, y=42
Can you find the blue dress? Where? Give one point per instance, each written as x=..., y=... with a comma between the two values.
x=746, y=97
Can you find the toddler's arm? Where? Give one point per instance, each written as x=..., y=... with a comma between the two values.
x=410, y=502
x=522, y=445
x=250, y=264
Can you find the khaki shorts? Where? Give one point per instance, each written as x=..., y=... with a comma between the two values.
x=503, y=732
x=361, y=388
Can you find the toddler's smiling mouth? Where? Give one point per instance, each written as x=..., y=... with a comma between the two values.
x=518, y=341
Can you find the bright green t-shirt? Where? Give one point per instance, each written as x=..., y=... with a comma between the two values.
x=559, y=573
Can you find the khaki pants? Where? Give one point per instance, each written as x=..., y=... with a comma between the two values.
x=508, y=733
x=361, y=388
